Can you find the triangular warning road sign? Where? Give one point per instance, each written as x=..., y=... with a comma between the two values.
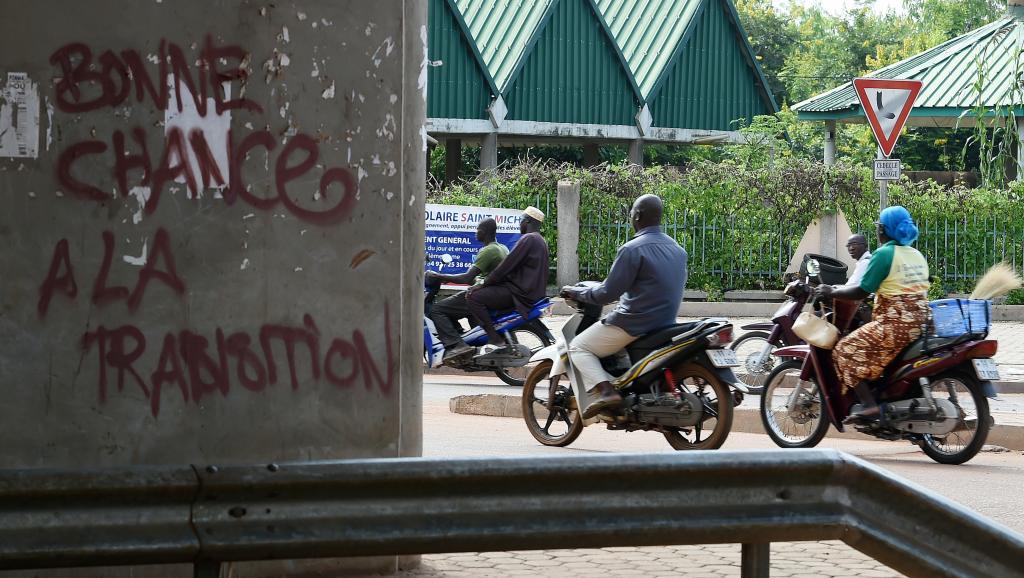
x=887, y=105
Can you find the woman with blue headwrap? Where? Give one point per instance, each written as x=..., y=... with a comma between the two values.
x=898, y=276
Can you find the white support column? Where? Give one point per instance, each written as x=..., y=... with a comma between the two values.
x=830, y=142
x=636, y=152
x=489, y=152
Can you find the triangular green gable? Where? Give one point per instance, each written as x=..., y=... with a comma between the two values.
x=573, y=74
x=711, y=84
x=457, y=88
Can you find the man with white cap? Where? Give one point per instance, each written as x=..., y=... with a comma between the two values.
x=518, y=283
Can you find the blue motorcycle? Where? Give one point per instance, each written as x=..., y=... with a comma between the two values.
x=526, y=335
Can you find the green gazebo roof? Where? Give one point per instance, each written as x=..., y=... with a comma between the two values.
x=991, y=57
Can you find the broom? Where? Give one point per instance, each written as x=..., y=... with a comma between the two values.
x=998, y=281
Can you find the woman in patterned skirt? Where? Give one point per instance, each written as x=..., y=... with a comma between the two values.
x=898, y=276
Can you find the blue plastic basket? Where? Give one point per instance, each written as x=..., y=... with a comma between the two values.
x=955, y=317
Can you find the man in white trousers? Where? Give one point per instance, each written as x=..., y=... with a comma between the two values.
x=649, y=273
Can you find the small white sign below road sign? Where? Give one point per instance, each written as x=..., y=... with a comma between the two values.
x=887, y=169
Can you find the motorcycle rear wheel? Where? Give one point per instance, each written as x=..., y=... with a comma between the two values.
x=549, y=407
x=807, y=424
x=963, y=443
x=718, y=402
x=534, y=339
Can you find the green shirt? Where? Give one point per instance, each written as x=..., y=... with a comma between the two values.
x=488, y=259
x=896, y=270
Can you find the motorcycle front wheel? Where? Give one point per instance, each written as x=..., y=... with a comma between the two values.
x=549, y=407
x=748, y=349
x=709, y=433
x=791, y=409
x=974, y=422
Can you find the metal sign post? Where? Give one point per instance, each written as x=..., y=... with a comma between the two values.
x=883, y=187
x=886, y=104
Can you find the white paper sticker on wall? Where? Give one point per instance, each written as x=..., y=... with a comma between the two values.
x=19, y=117
x=211, y=128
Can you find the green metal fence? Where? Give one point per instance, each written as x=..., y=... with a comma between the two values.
x=728, y=252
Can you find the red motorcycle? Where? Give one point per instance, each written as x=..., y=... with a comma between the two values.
x=933, y=394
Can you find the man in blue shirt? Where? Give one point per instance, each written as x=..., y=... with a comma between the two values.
x=649, y=273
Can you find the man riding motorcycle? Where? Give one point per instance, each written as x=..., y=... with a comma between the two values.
x=649, y=273
x=517, y=283
x=448, y=313
x=898, y=276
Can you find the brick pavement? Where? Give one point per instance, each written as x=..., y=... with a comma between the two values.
x=788, y=560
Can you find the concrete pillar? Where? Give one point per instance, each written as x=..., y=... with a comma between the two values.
x=830, y=142
x=829, y=224
x=452, y=159
x=223, y=307
x=568, y=260
x=827, y=243
x=636, y=152
x=489, y=152
x=591, y=154
x=1020, y=149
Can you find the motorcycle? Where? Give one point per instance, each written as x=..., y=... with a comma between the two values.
x=934, y=394
x=526, y=335
x=677, y=381
x=756, y=347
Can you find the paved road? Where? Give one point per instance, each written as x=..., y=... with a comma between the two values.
x=990, y=484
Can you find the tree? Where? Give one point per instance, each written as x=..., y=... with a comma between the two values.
x=773, y=36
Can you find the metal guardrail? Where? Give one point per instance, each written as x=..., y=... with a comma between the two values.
x=210, y=515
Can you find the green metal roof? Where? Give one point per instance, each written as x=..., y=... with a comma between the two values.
x=713, y=82
x=949, y=74
x=648, y=32
x=460, y=86
x=502, y=30
x=573, y=72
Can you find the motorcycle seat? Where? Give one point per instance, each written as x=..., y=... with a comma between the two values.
x=509, y=315
x=924, y=345
x=648, y=343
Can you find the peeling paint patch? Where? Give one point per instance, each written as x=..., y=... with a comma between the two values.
x=141, y=195
x=387, y=130
x=301, y=16
x=244, y=265
x=360, y=257
x=139, y=261
x=387, y=46
x=328, y=93
x=49, y=123
x=284, y=35
x=421, y=82
x=423, y=135
x=393, y=98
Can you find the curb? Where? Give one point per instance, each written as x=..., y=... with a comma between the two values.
x=744, y=420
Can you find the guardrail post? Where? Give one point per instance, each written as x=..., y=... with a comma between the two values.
x=754, y=560
x=206, y=569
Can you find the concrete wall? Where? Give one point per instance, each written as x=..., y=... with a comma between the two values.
x=241, y=305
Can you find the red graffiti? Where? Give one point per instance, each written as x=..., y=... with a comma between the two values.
x=61, y=277
x=83, y=88
x=89, y=84
x=159, y=266
x=194, y=367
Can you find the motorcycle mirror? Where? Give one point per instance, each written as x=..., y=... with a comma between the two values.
x=813, y=268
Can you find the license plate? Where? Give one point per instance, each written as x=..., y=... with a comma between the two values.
x=723, y=358
x=986, y=369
